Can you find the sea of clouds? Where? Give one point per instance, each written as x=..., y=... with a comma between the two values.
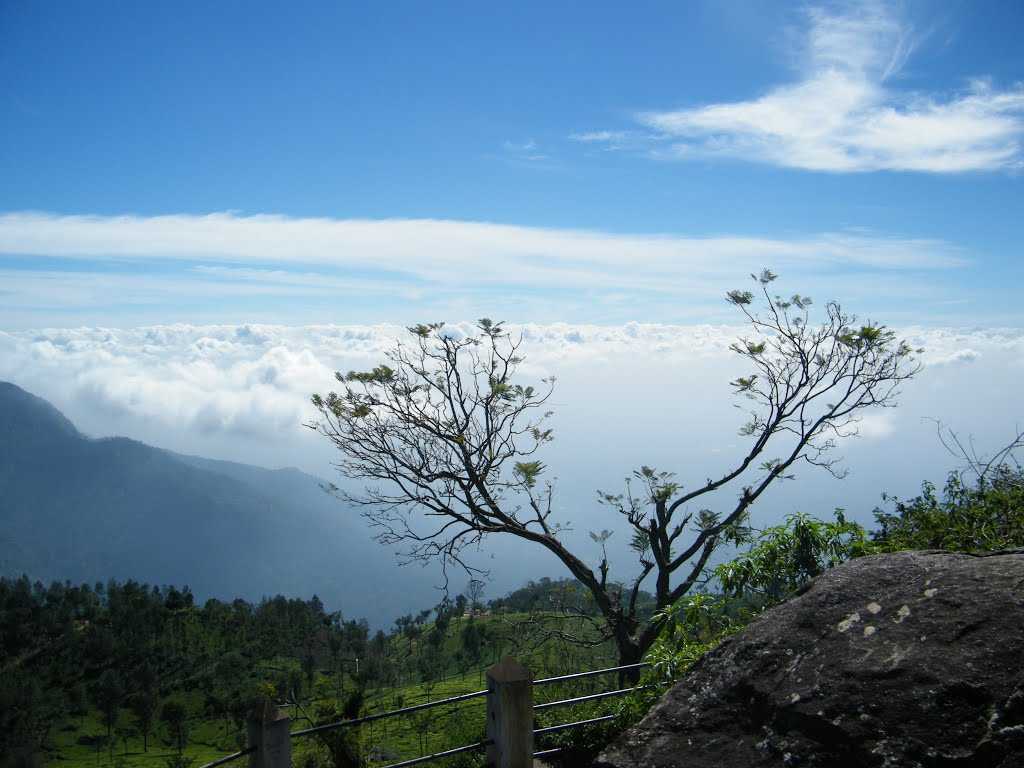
x=626, y=395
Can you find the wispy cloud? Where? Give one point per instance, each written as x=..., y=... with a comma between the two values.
x=227, y=266
x=304, y=282
x=609, y=140
x=273, y=268
x=438, y=251
x=598, y=136
x=844, y=113
x=525, y=150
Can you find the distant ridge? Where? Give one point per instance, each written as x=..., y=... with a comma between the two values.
x=82, y=509
x=22, y=412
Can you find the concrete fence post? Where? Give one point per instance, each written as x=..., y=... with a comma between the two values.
x=269, y=734
x=509, y=715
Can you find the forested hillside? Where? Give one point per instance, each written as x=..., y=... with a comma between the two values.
x=129, y=674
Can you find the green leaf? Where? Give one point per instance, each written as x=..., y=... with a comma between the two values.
x=739, y=298
x=528, y=472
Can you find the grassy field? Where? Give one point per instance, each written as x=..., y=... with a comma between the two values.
x=83, y=742
x=449, y=726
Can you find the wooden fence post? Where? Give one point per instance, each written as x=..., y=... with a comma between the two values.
x=509, y=715
x=269, y=734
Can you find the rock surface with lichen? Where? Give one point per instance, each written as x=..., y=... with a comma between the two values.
x=913, y=659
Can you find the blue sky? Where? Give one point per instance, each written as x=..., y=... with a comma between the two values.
x=869, y=151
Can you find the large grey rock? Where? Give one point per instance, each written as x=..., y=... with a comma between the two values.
x=913, y=660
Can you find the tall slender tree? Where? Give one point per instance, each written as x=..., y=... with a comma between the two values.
x=109, y=695
x=175, y=715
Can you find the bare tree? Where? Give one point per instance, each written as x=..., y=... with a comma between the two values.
x=1002, y=463
x=445, y=442
x=475, y=591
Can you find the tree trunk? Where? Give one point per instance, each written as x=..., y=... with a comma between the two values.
x=629, y=653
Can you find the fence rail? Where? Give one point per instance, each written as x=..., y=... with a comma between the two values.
x=591, y=673
x=589, y=697
x=439, y=755
x=566, y=726
x=383, y=715
x=229, y=758
x=510, y=732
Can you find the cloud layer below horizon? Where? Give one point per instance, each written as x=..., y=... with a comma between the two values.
x=626, y=395
x=252, y=382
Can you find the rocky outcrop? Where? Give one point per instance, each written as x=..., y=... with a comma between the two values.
x=913, y=660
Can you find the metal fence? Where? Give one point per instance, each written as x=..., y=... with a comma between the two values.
x=579, y=700
x=510, y=717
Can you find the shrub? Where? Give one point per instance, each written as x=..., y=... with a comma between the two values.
x=781, y=559
x=985, y=516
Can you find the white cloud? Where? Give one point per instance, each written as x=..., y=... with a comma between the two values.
x=611, y=141
x=527, y=151
x=599, y=136
x=233, y=377
x=255, y=379
x=250, y=280
x=218, y=267
x=455, y=252
x=956, y=357
x=876, y=426
x=845, y=115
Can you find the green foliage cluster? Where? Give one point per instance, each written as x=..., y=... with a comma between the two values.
x=782, y=558
x=981, y=517
x=988, y=515
x=690, y=628
x=547, y=594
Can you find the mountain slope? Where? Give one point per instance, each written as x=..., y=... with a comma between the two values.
x=86, y=509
